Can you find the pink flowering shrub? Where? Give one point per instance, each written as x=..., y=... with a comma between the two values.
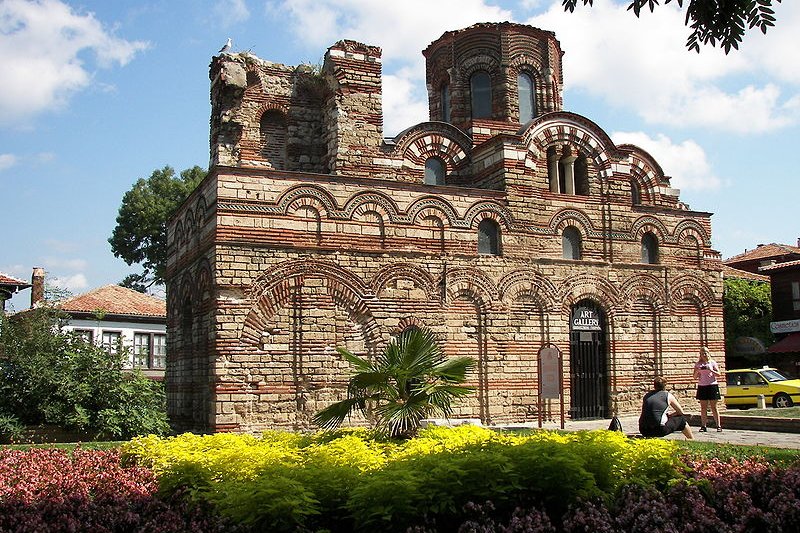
x=49, y=490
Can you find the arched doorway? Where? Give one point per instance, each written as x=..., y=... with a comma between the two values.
x=589, y=397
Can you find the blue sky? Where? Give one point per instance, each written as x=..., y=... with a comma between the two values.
x=96, y=94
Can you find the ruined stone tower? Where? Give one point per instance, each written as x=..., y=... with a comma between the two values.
x=504, y=224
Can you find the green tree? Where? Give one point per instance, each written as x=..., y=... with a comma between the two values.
x=747, y=311
x=712, y=21
x=411, y=380
x=140, y=235
x=50, y=377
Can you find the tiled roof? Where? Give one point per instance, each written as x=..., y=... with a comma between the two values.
x=116, y=300
x=730, y=272
x=8, y=280
x=779, y=266
x=764, y=251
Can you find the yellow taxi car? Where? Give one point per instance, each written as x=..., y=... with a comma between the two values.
x=746, y=384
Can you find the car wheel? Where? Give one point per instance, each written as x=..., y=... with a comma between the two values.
x=782, y=400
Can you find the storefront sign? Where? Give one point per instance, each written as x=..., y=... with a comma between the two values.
x=784, y=326
x=585, y=319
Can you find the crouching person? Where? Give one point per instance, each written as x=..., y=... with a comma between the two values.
x=656, y=419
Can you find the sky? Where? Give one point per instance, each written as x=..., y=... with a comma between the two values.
x=95, y=94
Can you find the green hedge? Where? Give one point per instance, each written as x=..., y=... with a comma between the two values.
x=350, y=480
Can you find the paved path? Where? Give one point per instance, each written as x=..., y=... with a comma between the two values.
x=630, y=424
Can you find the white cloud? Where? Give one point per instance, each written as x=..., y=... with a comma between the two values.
x=231, y=12
x=7, y=161
x=65, y=264
x=43, y=47
x=685, y=162
x=74, y=283
x=643, y=65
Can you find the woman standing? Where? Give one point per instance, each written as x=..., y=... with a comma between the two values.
x=706, y=372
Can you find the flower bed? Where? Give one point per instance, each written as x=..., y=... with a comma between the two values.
x=459, y=479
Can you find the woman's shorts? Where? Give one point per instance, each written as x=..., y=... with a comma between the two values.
x=708, y=392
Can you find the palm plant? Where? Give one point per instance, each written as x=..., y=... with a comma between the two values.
x=411, y=380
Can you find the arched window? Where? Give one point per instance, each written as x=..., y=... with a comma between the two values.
x=636, y=193
x=581, y=176
x=649, y=249
x=571, y=243
x=527, y=97
x=480, y=85
x=434, y=171
x=273, y=138
x=444, y=95
x=488, y=237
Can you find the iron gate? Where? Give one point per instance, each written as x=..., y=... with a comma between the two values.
x=588, y=364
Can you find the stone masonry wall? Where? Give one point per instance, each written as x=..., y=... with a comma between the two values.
x=311, y=232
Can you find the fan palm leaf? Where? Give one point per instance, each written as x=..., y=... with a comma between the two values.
x=410, y=380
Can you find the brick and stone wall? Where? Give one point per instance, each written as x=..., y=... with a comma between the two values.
x=280, y=257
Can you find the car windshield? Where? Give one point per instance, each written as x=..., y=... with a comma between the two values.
x=773, y=375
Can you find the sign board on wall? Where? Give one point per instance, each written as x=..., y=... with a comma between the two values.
x=585, y=319
x=784, y=326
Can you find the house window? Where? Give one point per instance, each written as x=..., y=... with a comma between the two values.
x=112, y=342
x=527, y=102
x=85, y=334
x=488, y=237
x=140, y=357
x=571, y=243
x=649, y=249
x=434, y=171
x=636, y=193
x=480, y=85
x=796, y=295
x=444, y=95
x=159, y=350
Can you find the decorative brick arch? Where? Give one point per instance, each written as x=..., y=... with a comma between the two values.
x=693, y=289
x=647, y=223
x=275, y=287
x=435, y=203
x=571, y=217
x=531, y=283
x=645, y=170
x=583, y=135
x=588, y=287
x=321, y=199
x=472, y=283
x=201, y=211
x=418, y=275
x=644, y=287
x=434, y=139
x=488, y=209
x=380, y=203
x=693, y=228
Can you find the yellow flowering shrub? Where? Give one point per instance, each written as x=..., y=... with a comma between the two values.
x=281, y=481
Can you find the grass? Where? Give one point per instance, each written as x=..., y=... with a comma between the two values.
x=739, y=452
x=786, y=412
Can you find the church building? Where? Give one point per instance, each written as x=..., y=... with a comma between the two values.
x=516, y=231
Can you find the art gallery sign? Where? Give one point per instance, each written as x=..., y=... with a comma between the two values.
x=784, y=326
x=585, y=319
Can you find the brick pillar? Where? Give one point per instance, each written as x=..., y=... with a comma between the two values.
x=354, y=114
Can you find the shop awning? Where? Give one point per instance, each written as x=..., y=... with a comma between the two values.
x=788, y=344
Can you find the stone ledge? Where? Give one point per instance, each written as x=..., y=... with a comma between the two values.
x=754, y=423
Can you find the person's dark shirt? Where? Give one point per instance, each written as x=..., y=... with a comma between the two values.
x=654, y=409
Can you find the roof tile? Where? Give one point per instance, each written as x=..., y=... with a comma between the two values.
x=116, y=300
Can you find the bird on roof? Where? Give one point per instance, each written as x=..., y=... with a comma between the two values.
x=226, y=47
